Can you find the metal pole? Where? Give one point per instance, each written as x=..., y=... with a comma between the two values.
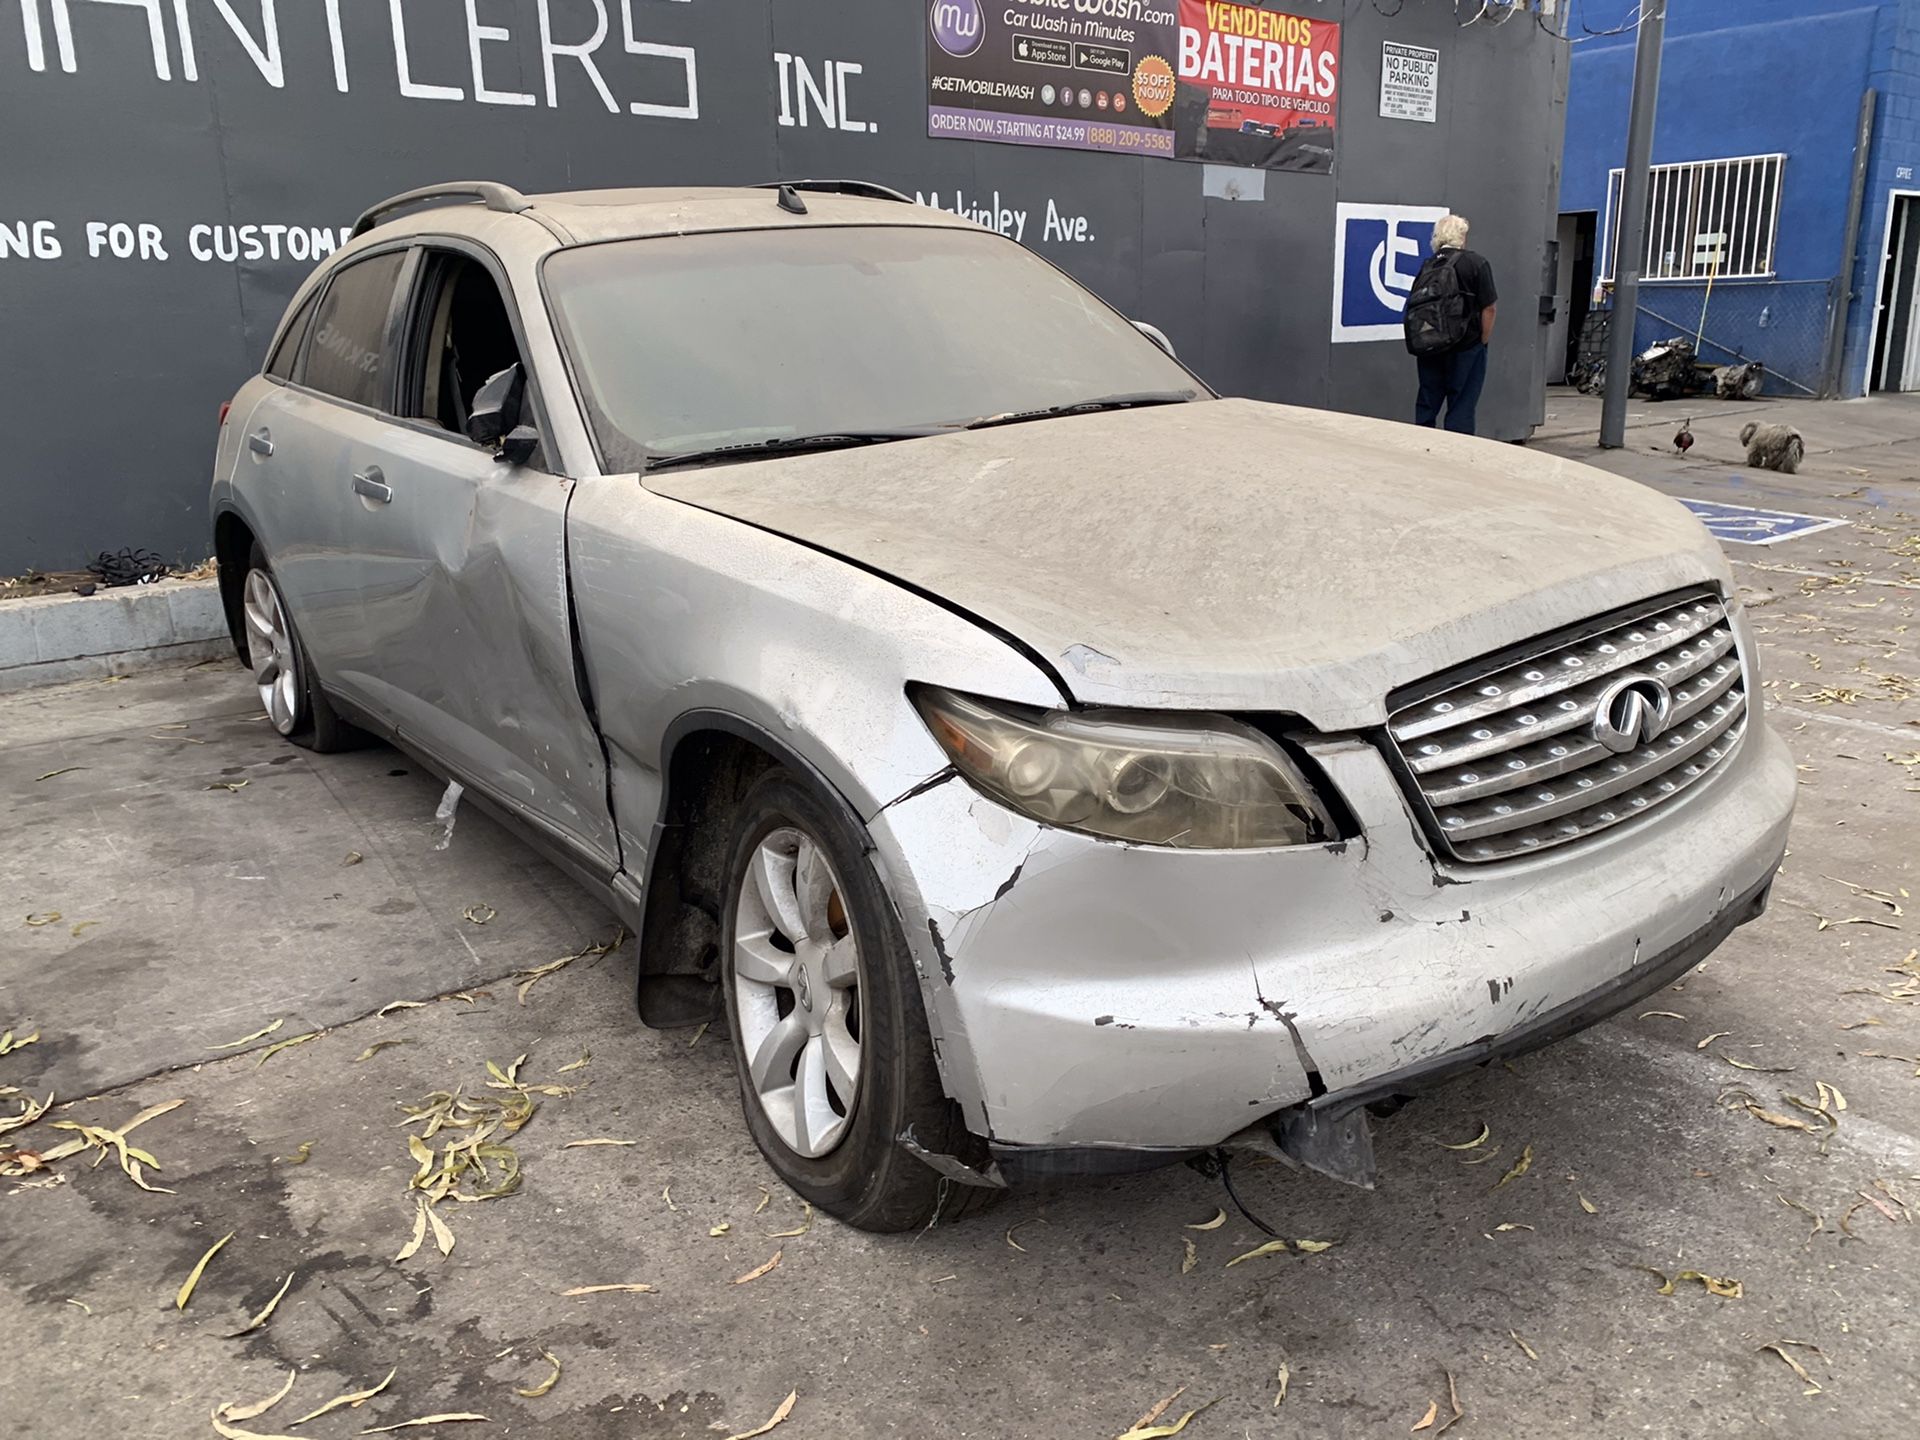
x=1632, y=230
x=1830, y=378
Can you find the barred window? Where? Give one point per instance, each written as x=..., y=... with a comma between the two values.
x=1705, y=217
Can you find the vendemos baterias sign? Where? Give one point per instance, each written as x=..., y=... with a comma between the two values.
x=1179, y=79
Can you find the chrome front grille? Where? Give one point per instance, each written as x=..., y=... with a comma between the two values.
x=1521, y=757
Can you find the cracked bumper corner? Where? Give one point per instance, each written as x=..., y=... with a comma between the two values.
x=1091, y=997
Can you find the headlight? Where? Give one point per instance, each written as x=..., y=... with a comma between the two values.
x=1200, y=782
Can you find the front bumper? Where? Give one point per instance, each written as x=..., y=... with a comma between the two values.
x=1093, y=997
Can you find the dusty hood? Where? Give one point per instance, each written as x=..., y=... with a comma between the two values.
x=1232, y=554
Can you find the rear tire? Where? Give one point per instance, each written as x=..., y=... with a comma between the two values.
x=830, y=1037
x=290, y=692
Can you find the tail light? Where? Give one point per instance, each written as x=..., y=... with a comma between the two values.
x=225, y=406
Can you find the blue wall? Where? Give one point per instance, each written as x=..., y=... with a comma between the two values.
x=1896, y=147
x=1742, y=77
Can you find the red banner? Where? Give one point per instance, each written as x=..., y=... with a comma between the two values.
x=1270, y=81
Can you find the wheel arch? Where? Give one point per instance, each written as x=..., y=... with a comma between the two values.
x=233, y=542
x=709, y=760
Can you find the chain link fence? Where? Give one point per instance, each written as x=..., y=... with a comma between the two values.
x=1781, y=323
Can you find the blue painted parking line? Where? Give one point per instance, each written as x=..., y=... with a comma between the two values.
x=1751, y=525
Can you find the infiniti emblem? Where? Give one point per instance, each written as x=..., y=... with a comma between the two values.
x=1631, y=713
x=802, y=987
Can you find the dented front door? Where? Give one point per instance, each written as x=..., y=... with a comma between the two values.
x=468, y=634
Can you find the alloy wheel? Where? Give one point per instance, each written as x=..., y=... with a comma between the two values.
x=797, y=1009
x=270, y=651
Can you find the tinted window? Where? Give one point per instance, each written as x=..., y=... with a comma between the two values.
x=288, y=350
x=684, y=343
x=348, y=357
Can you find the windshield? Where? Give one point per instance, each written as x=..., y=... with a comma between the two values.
x=691, y=343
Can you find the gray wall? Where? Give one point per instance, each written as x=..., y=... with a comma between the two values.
x=113, y=369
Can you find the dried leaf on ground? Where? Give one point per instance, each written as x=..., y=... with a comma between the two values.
x=785, y=1409
x=257, y=1321
x=354, y=857
x=1586, y=1204
x=352, y=1401
x=1819, y=1223
x=1157, y=1410
x=64, y=770
x=1425, y=1422
x=193, y=1276
x=1756, y=1069
x=586, y=1057
x=1716, y=1035
x=529, y=978
x=1191, y=1258
x=1486, y=1133
x=300, y=1156
x=1483, y=1159
x=601, y=1140
x=635, y=1289
x=279, y=1045
x=8, y=1044
x=412, y=1247
x=766, y=1199
x=1510, y=1225
x=1661, y=1014
x=424, y=1420
x=1272, y=1247
x=1219, y=1219
x=759, y=1270
x=1453, y=1399
x=1778, y=1347
x=394, y=1005
x=1777, y=1120
x=545, y=1385
x=1285, y=1377
x=232, y=787
x=1034, y=1220
x=259, y=1034
x=40, y=918
x=805, y=1225
x=1726, y=1289
x=375, y=1048
x=718, y=1230
x=231, y=1411
x=442, y=1236
x=666, y=1194
x=1520, y=1167
x=1830, y=1096
x=1160, y=1432
x=1525, y=1348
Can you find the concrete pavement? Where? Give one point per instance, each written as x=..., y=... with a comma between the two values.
x=1064, y=1313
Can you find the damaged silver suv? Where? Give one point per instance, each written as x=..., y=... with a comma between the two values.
x=1041, y=764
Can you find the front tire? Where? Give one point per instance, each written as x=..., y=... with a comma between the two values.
x=289, y=692
x=829, y=1035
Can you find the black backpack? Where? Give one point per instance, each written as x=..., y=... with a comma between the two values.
x=1436, y=316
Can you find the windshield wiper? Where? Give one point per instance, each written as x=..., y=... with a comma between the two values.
x=1087, y=407
x=783, y=445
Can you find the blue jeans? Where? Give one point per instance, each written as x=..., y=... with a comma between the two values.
x=1453, y=381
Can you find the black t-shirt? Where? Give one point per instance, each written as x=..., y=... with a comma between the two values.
x=1476, y=283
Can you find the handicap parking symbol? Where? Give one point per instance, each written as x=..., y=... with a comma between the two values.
x=1751, y=525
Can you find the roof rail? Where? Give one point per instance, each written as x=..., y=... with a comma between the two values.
x=495, y=196
x=864, y=189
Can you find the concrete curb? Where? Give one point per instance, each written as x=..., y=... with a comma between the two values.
x=47, y=639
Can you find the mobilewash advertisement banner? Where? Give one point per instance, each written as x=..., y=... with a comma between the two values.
x=1257, y=87
x=1096, y=75
x=1226, y=83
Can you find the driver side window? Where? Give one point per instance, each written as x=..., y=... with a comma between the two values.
x=459, y=338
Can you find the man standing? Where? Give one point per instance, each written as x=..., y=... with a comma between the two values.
x=1449, y=321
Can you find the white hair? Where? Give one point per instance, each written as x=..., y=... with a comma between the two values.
x=1450, y=233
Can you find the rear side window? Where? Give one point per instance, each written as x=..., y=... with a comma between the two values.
x=348, y=357
x=288, y=350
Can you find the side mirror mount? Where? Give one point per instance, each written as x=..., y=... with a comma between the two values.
x=516, y=447
x=1157, y=335
x=496, y=408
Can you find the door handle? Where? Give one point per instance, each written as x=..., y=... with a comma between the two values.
x=368, y=482
x=260, y=444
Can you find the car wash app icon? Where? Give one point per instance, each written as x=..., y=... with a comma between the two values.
x=1378, y=252
x=958, y=26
